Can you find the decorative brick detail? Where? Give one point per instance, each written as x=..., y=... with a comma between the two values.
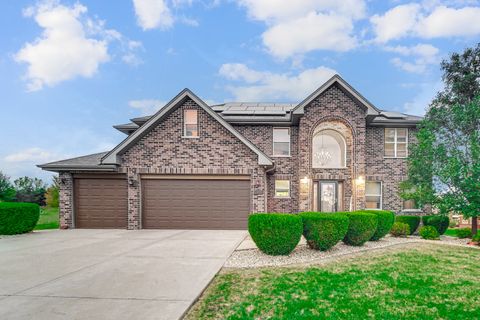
x=164, y=150
x=66, y=200
x=333, y=109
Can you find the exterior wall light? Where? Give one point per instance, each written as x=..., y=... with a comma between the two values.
x=360, y=180
x=304, y=180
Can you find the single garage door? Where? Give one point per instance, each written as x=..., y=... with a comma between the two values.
x=195, y=203
x=100, y=202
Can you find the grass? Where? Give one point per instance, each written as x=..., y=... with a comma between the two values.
x=48, y=219
x=422, y=282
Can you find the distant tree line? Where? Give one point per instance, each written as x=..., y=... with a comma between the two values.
x=27, y=189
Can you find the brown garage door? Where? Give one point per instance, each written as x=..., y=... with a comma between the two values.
x=195, y=204
x=100, y=202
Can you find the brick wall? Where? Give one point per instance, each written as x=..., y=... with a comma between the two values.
x=66, y=200
x=391, y=171
x=216, y=151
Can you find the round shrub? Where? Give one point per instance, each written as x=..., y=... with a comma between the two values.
x=324, y=230
x=412, y=221
x=463, y=233
x=440, y=223
x=18, y=217
x=385, y=223
x=361, y=227
x=476, y=238
x=429, y=233
x=275, y=233
x=400, y=229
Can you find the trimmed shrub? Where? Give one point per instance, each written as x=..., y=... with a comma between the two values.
x=453, y=223
x=275, y=233
x=429, y=233
x=463, y=233
x=361, y=227
x=476, y=238
x=400, y=229
x=18, y=217
x=440, y=223
x=385, y=223
x=324, y=230
x=412, y=221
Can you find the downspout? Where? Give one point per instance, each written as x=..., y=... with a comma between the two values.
x=273, y=167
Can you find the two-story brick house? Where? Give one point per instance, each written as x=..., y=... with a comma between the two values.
x=191, y=165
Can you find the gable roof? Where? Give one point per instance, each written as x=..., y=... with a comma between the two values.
x=112, y=156
x=336, y=79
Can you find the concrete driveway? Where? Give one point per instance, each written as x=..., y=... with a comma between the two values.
x=109, y=274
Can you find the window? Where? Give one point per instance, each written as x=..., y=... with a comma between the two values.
x=281, y=142
x=373, y=195
x=282, y=188
x=190, y=119
x=328, y=150
x=409, y=205
x=396, y=140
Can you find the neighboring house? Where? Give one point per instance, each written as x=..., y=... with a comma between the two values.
x=191, y=165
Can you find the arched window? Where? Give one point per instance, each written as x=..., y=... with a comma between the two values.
x=328, y=149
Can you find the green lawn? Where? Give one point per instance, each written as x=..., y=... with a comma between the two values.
x=418, y=282
x=48, y=219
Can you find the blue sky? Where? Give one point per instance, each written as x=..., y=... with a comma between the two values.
x=69, y=70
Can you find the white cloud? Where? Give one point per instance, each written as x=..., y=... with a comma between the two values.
x=427, y=21
x=152, y=14
x=315, y=31
x=71, y=45
x=30, y=154
x=147, y=106
x=396, y=22
x=423, y=55
x=261, y=85
x=298, y=27
x=420, y=102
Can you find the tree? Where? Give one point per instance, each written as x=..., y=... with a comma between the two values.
x=7, y=192
x=444, y=163
x=30, y=190
x=52, y=194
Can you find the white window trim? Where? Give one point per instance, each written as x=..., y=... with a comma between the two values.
x=185, y=125
x=375, y=195
x=289, y=189
x=395, y=144
x=289, y=143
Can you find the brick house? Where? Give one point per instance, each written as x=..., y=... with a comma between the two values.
x=191, y=165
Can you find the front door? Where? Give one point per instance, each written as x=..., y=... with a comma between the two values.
x=328, y=196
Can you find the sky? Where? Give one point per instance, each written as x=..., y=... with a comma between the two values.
x=69, y=70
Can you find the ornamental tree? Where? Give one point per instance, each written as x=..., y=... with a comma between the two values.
x=444, y=163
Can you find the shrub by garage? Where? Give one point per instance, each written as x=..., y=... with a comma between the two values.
x=412, y=221
x=18, y=217
x=324, y=230
x=385, y=223
x=275, y=233
x=361, y=228
x=440, y=223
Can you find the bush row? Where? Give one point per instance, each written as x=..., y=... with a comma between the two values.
x=18, y=217
x=279, y=234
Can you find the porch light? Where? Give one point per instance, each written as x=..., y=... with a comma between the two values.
x=360, y=180
x=304, y=180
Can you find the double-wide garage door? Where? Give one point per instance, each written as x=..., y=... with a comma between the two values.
x=195, y=203
x=100, y=201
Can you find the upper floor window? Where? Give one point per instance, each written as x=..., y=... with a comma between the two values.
x=396, y=140
x=190, y=123
x=281, y=142
x=328, y=150
x=373, y=195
